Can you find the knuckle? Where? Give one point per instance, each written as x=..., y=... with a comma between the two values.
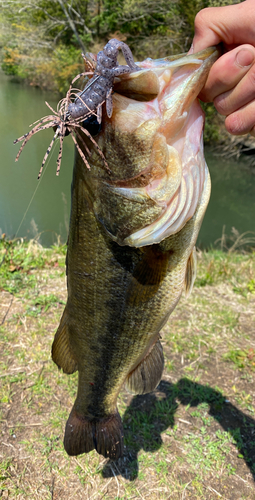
x=235, y=124
x=221, y=105
x=202, y=18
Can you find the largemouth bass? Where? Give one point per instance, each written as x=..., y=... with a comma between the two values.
x=131, y=246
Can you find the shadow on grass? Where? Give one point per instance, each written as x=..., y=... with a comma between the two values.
x=148, y=416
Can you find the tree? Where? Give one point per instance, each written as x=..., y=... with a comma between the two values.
x=42, y=39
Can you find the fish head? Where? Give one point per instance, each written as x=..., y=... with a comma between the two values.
x=153, y=145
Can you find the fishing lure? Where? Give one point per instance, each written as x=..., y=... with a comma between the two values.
x=75, y=109
x=99, y=88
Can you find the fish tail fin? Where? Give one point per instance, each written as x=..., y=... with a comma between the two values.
x=83, y=435
x=61, y=350
x=147, y=375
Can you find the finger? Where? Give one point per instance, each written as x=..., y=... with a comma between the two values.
x=242, y=94
x=228, y=71
x=233, y=25
x=242, y=121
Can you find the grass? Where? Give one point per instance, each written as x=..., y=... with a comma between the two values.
x=18, y=260
x=192, y=438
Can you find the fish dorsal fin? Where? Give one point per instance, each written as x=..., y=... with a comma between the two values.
x=61, y=351
x=191, y=272
x=147, y=375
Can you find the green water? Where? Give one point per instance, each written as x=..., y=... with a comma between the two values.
x=233, y=185
x=232, y=202
x=48, y=213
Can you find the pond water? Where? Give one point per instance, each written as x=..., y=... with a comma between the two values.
x=25, y=212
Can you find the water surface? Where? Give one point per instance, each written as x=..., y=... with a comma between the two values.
x=232, y=202
x=48, y=213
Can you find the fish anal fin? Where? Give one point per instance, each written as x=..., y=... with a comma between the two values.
x=147, y=375
x=61, y=350
x=83, y=435
x=191, y=272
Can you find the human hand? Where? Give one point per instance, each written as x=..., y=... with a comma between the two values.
x=231, y=81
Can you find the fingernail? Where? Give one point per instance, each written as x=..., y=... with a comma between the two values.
x=191, y=50
x=244, y=58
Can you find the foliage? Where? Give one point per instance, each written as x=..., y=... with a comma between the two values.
x=212, y=123
x=58, y=72
x=151, y=28
x=42, y=39
x=59, y=20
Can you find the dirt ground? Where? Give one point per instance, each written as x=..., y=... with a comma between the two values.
x=192, y=438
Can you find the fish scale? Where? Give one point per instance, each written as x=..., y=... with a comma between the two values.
x=126, y=270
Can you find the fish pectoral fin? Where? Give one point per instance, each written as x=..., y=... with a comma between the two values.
x=147, y=375
x=61, y=350
x=83, y=435
x=191, y=272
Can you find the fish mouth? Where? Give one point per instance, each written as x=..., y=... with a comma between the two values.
x=153, y=145
x=134, y=86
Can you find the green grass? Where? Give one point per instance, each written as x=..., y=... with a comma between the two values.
x=216, y=267
x=19, y=259
x=242, y=358
x=192, y=438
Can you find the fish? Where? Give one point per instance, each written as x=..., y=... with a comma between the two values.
x=131, y=246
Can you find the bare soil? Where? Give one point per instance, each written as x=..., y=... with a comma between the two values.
x=192, y=438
